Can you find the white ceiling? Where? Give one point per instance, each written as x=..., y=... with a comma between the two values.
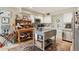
x=47, y=9
x=52, y=10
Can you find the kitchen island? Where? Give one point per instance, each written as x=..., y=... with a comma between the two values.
x=42, y=38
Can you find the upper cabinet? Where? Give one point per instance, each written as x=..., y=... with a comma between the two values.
x=33, y=17
x=67, y=18
x=47, y=19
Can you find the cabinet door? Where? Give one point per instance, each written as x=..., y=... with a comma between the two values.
x=68, y=35
x=47, y=19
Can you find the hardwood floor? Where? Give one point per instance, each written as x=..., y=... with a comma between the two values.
x=60, y=46
x=63, y=45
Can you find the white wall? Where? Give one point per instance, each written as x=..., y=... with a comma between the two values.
x=58, y=25
x=59, y=21
x=6, y=13
x=13, y=11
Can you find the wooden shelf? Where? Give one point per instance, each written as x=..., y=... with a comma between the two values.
x=23, y=20
x=22, y=40
x=29, y=38
x=26, y=27
x=19, y=31
x=23, y=24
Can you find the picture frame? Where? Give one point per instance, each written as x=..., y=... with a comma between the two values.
x=5, y=20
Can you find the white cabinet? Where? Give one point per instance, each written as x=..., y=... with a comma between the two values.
x=68, y=35
x=47, y=19
x=33, y=17
x=67, y=18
